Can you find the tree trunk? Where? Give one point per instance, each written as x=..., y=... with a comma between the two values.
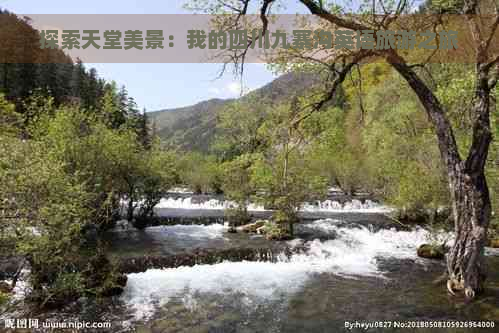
x=130, y=209
x=471, y=208
x=467, y=182
x=471, y=202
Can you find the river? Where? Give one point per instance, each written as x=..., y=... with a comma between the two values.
x=352, y=265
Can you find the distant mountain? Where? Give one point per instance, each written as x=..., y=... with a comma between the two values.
x=182, y=125
x=193, y=127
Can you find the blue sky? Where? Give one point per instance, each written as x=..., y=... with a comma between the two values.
x=154, y=86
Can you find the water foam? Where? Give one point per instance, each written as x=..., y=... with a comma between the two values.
x=319, y=206
x=212, y=231
x=354, y=252
x=181, y=190
x=211, y=204
x=354, y=205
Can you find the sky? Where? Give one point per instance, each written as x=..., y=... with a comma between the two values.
x=154, y=86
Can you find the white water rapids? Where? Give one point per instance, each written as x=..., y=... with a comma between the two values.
x=353, y=252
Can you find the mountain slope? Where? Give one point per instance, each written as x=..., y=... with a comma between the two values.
x=194, y=127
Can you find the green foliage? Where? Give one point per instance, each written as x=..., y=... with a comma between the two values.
x=281, y=172
x=336, y=153
x=157, y=174
x=87, y=149
x=443, y=6
x=71, y=145
x=267, y=158
x=274, y=229
x=4, y=299
x=110, y=108
x=35, y=106
x=238, y=125
x=401, y=151
x=10, y=120
x=201, y=173
x=285, y=182
x=63, y=185
x=44, y=210
x=238, y=187
x=382, y=143
x=113, y=164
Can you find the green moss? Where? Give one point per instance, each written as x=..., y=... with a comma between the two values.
x=431, y=251
x=4, y=298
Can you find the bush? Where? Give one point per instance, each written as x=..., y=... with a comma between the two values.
x=276, y=231
x=56, y=188
x=237, y=216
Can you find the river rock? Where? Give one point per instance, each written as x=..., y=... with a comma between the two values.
x=5, y=287
x=252, y=227
x=431, y=251
x=124, y=225
x=115, y=286
x=261, y=230
x=10, y=266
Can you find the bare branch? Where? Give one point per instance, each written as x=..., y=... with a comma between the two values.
x=340, y=76
x=335, y=19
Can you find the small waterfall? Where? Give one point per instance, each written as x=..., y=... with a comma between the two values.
x=354, y=205
x=352, y=252
x=368, y=206
x=201, y=257
x=211, y=204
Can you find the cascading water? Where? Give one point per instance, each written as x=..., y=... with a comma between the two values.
x=351, y=252
x=353, y=271
x=319, y=206
x=354, y=205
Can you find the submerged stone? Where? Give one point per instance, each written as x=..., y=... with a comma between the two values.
x=201, y=257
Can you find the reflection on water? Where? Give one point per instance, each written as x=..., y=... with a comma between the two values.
x=163, y=240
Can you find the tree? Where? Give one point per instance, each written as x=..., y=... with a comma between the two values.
x=237, y=127
x=159, y=175
x=281, y=170
x=110, y=107
x=144, y=131
x=465, y=172
x=10, y=120
x=238, y=187
x=200, y=172
x=47, y=212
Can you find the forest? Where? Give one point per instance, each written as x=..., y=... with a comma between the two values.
x=78, y=157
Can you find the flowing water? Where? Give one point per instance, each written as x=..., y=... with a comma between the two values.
x=349, y=271
x=350, y=267
x=208, y=209
x=200, y=202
